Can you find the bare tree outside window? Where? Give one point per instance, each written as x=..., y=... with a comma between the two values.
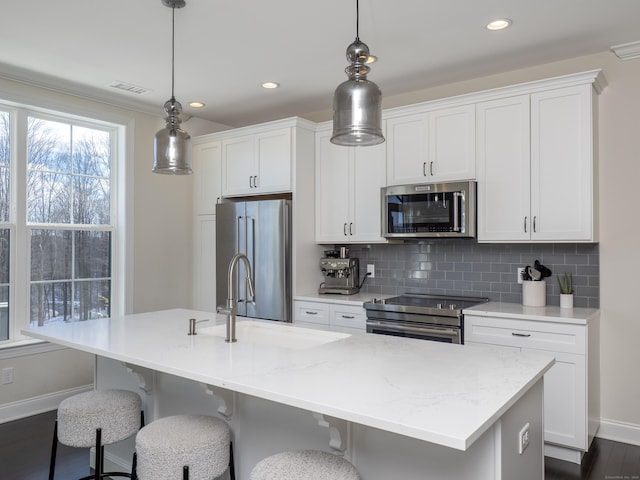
x=69, y=209
x=5, y=158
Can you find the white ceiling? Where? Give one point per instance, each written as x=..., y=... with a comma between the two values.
x=226, y=48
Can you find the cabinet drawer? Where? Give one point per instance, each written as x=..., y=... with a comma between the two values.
x=526, y=334
x=348, y=316
x=311, y=312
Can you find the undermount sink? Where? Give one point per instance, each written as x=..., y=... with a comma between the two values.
x=276, y=334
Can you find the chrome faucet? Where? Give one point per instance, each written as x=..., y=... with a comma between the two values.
x=231, y=309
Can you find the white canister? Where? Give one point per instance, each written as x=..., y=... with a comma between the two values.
x=534, y=294
x=566, y=300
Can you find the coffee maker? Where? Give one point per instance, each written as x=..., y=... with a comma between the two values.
x=341, y=273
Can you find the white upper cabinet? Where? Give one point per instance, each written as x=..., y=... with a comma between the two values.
x=536, y=167
x=562, y=166
x=259, y=163
x=503, y=169
x=207, y=158
x=431, y=146
x=348, y=183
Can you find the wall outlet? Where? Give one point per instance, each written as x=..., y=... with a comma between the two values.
x=371, y=268
x=7, y=375
x=523, y=439
x=520, y=273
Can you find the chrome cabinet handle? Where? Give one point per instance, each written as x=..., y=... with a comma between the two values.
x=348, y=317
x=351, y=228
x=431, y=168
x=424, y=169
x=255, y=181
x=534, y=223
x=525, y=224
x=520, y=334
x=311, y=313
x=344, y=229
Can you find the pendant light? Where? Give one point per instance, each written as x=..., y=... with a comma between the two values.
x=357, y=102
x=172, y=145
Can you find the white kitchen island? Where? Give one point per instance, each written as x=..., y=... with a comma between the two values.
x=397, y=408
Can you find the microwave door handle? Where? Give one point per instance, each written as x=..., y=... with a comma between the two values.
x=456, y=212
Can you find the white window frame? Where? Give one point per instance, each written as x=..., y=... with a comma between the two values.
x=122, y=128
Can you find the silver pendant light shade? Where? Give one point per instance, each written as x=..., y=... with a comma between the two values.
x=172, y=145
x=357, y=102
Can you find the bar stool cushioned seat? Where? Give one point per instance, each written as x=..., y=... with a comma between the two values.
x=166, y=445
x=304, y=465
x=116, y=412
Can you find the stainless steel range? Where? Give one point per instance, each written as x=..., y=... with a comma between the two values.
x=428, y=317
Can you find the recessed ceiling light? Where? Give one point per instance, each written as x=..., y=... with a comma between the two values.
x=499, y=24
x=196, y=104
x=270, y=85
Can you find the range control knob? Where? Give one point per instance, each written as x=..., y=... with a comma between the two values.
x=439, y=306
x=452, y=306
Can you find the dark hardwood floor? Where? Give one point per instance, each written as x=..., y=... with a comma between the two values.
x=25, y=446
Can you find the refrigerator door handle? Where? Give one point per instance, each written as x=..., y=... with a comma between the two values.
x=252, y=257
x=238, y=249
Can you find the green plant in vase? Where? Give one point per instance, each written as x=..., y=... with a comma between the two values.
x=565, y=281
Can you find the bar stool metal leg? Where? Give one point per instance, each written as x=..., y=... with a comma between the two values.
x=54, y=450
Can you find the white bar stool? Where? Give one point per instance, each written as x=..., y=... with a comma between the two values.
x=96, y=419
x=304, y=465
x=191, y=447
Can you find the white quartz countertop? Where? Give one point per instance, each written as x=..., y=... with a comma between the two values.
x=576, y=316
x=354, y=299
x=440, y=393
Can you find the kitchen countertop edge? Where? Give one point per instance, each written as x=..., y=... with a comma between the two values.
x=550, y=313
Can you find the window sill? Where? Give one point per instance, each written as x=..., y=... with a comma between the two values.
x=22, y=348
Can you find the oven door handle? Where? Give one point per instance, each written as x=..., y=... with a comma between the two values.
x=451, y=332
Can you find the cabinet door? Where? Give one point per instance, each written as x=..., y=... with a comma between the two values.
x=503, y=161
x=207, y=172
x=565, y=405
x=368, y=176
x=238, y=166
x=452, y=144
x=274, y=161
x=332, y=190
x=562, y=164
x=204, y=291
x=407, y=149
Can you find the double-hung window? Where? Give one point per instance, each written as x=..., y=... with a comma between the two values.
x=57, y=224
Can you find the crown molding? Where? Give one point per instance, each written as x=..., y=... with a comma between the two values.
x=627, y=51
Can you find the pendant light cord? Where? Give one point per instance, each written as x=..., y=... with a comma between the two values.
x=357, y=20
x=173, y=49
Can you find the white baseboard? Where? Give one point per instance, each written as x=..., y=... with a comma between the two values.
x=619, y=432
x=33, y=406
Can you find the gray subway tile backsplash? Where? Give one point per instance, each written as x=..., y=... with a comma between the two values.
x=463, y=267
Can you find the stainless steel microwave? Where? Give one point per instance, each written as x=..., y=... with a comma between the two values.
x=429, y=210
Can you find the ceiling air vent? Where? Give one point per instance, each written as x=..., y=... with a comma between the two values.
x=127, y=87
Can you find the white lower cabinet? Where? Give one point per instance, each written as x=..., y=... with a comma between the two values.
x=331, y=316
x=571, y=402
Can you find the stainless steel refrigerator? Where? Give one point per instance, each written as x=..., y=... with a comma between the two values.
x=261, y=230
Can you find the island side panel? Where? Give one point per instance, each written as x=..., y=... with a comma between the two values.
x=528, y=410
x=381, y=455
